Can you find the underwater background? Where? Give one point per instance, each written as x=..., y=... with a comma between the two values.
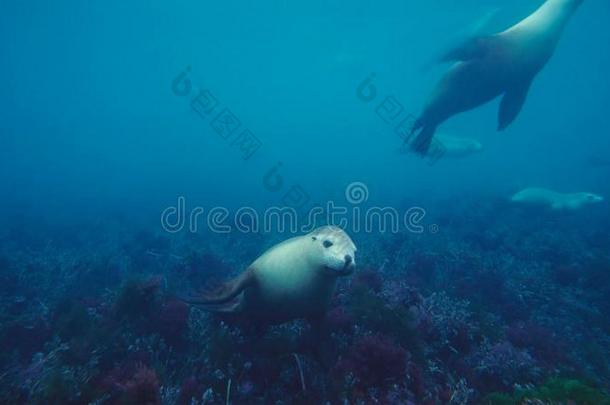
x=486, y=302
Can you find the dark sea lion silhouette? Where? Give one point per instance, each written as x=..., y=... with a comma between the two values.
x=487, y=67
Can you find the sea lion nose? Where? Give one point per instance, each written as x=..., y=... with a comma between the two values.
x=348, y=260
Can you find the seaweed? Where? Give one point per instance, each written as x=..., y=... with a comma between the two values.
x=71, y=319
x=449, y=318
x=137, y=300
x=374, y=361
x=372, y=312
x=555, y=390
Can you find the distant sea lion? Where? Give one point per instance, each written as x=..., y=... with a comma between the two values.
x=294, y=279
x=487, y=67
x=458, y=147
x=555, y=200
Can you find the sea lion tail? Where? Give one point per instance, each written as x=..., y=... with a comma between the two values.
x=232, y=307
x=225, y=293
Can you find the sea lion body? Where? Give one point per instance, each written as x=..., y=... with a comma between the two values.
x=294, y=279
x=487, y=67
x=554, y=199
x=287, y=284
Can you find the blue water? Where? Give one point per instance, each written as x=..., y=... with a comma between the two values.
x=97, y=129
x=89, y=117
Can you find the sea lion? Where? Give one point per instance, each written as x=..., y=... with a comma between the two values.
x=555, y=200
x=458, y=147
x=487, y=67
x=293, y=279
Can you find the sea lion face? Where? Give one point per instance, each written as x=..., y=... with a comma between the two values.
x=334, y=249
x=590, y=198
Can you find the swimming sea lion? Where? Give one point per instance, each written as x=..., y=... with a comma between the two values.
x=458, y=147
x=555, y=200
x=487, y=67
x=294, y=279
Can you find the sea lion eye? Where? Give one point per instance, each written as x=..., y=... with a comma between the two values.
x=327, y=244
x=314, y=238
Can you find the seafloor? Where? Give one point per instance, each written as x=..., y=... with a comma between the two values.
x=502, y=306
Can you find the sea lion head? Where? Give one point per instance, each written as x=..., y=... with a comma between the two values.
x=333, y=250
x=590, y=198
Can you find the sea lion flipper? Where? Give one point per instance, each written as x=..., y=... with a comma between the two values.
x=423, y=134
x=231, y=307
x=512, y=103
x=226, y=292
